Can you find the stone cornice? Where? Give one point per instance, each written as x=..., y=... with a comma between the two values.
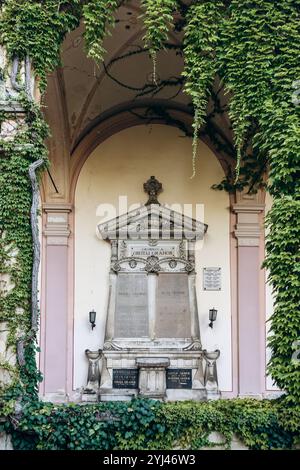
x=57, y=207
x=248, y=208
x=248, y=228
x=56, y=228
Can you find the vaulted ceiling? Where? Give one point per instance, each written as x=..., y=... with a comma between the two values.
x=80, y=93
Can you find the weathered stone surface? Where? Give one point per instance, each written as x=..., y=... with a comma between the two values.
x=7, y=355
x=4, y=331
x=152, y=361
x=172, y=306
x=218, y=440
x=237, y=444
x=131, y=316
x=93, y=380
x=89, y=398
x=5, y=442
x=152, y=376
x=60, y=396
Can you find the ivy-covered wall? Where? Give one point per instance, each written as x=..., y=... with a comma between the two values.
x=152, y=425
x=253, y=47
x=16, y=247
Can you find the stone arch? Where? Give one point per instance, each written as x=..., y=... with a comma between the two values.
x=93, y=188
x=123, y=117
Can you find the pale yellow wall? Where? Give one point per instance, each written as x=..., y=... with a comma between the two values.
x=120, y=166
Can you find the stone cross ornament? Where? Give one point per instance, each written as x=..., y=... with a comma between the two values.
x=153, y=187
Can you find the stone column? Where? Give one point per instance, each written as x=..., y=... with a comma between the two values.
x=251, y=325
x=56, y=326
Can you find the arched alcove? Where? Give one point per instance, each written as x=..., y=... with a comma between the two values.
x=118, y=167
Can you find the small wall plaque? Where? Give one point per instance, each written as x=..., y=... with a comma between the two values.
x=125, y=378
x=212, y=279
x=179, y=378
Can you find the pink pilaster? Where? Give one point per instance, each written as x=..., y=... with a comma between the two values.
x=55, y=331
x=251, y=327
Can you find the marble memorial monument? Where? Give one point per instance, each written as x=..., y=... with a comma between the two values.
x=152, y=341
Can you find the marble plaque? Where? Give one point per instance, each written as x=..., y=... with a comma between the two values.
x=211, y=278
x=131, y=315
x=161, y=251
x=125, y=378
x=179, y=378
x=172, y=306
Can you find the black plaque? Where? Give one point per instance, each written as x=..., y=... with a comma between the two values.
x=125, y=378
x=179, y=378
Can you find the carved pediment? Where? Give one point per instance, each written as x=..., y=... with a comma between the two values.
x=154, y=222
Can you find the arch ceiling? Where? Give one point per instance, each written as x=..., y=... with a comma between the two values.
x=80, y=92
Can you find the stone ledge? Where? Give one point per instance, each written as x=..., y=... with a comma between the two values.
x=152, y=362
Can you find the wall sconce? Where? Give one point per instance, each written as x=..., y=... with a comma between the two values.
x=92, y=318
x=212, y=316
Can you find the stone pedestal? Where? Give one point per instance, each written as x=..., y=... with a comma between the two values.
x=89, y=396
x=93, y=380
x=210, y=374
x=146, y=360
x=152, y=376
x=91, y=392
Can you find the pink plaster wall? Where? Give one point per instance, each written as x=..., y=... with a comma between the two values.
x=249, y=323
x=56, y=319
x=70, y=310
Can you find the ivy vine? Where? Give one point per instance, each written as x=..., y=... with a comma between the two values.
x=16, y=250
x=259, y=62
x=98, y=18
x=37, y=29
x=201, y=35
x=158, y=20
x=151, y=425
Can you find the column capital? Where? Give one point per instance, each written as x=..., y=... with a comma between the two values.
x=248, y=208
x=248, y=227
x=56, y=228
x=242, y=197
x=57, y=207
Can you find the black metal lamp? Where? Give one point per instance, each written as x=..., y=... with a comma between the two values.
x=92, y=318
x=212, y=316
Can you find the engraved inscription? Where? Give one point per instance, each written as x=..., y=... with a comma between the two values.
x=172, y=306
x=131, y=316
x=179, y=378
x=211, y=278
x=125, y=378
x=160, y=251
